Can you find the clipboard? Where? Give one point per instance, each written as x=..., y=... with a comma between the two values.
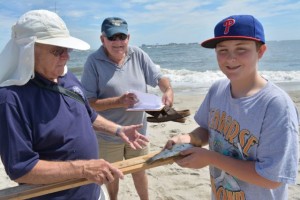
x=146, y=102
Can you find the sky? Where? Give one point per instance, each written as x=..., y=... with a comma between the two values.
x=154, y=22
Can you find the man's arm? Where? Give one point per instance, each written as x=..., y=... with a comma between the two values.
x=47, y=172
x=129, y=134
x=166, y=88
x=124, y=101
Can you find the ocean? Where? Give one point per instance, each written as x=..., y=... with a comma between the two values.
x=193, y=68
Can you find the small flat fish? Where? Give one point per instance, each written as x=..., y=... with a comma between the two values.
x=167, y=153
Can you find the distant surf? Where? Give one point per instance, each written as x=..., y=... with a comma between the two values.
x=191, y=67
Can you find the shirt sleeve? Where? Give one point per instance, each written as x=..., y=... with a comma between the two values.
x=277, y=154
x=16, y=147
x=89, y=79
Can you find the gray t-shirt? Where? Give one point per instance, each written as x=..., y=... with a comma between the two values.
x=261, y=128
x=102, y=79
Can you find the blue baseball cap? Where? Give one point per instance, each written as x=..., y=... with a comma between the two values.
x=114, y=25
x=236, y=27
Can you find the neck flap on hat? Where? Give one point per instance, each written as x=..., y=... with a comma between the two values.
x=17, y=62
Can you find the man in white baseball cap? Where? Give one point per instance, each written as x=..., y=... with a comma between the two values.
x=46, y=122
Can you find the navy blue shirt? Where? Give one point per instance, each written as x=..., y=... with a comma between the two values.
x=39, y=124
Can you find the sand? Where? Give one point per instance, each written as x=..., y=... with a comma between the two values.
x=171, y=182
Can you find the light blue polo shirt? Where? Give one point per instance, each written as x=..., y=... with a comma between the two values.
x=102, y=79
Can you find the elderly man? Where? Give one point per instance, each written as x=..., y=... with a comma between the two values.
x=109, y=73
x=46, y=122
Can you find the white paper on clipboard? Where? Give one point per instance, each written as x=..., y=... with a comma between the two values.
x=146, y=102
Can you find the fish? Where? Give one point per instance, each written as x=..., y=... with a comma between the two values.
x=167, y=153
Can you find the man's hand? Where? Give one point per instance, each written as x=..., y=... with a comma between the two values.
x=127, y=100
x=100, y=171
x=168, y=97
x=131, y=136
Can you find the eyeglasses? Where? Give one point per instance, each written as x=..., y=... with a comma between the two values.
x=121, y=37
x=57, y=52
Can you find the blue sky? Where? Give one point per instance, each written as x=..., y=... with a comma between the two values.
x=157, y=21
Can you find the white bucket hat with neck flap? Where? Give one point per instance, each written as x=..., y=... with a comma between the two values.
x=40, y=26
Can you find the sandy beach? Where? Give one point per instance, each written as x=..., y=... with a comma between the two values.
x=171, y=182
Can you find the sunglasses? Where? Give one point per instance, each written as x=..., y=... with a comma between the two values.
x=121, y=37
x=57, y=52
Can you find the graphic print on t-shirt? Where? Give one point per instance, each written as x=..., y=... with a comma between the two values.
x=228, y=138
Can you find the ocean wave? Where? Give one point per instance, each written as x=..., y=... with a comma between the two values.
x=183, y=77
x=189, y=78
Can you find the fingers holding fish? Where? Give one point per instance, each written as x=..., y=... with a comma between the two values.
x=179, y=139
x=167, y=153
x=194, y=158
x=169, y=144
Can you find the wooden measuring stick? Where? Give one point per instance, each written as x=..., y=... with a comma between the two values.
x=126, y=166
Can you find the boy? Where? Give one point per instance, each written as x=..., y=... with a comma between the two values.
x=250, y=124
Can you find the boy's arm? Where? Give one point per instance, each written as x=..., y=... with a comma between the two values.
x=198, y=137
x=201, y=157
x=241, y=169
x=244, y=170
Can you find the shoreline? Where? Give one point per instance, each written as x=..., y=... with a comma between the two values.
x=195, y=90
x=289, y=86
x=172, y=181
